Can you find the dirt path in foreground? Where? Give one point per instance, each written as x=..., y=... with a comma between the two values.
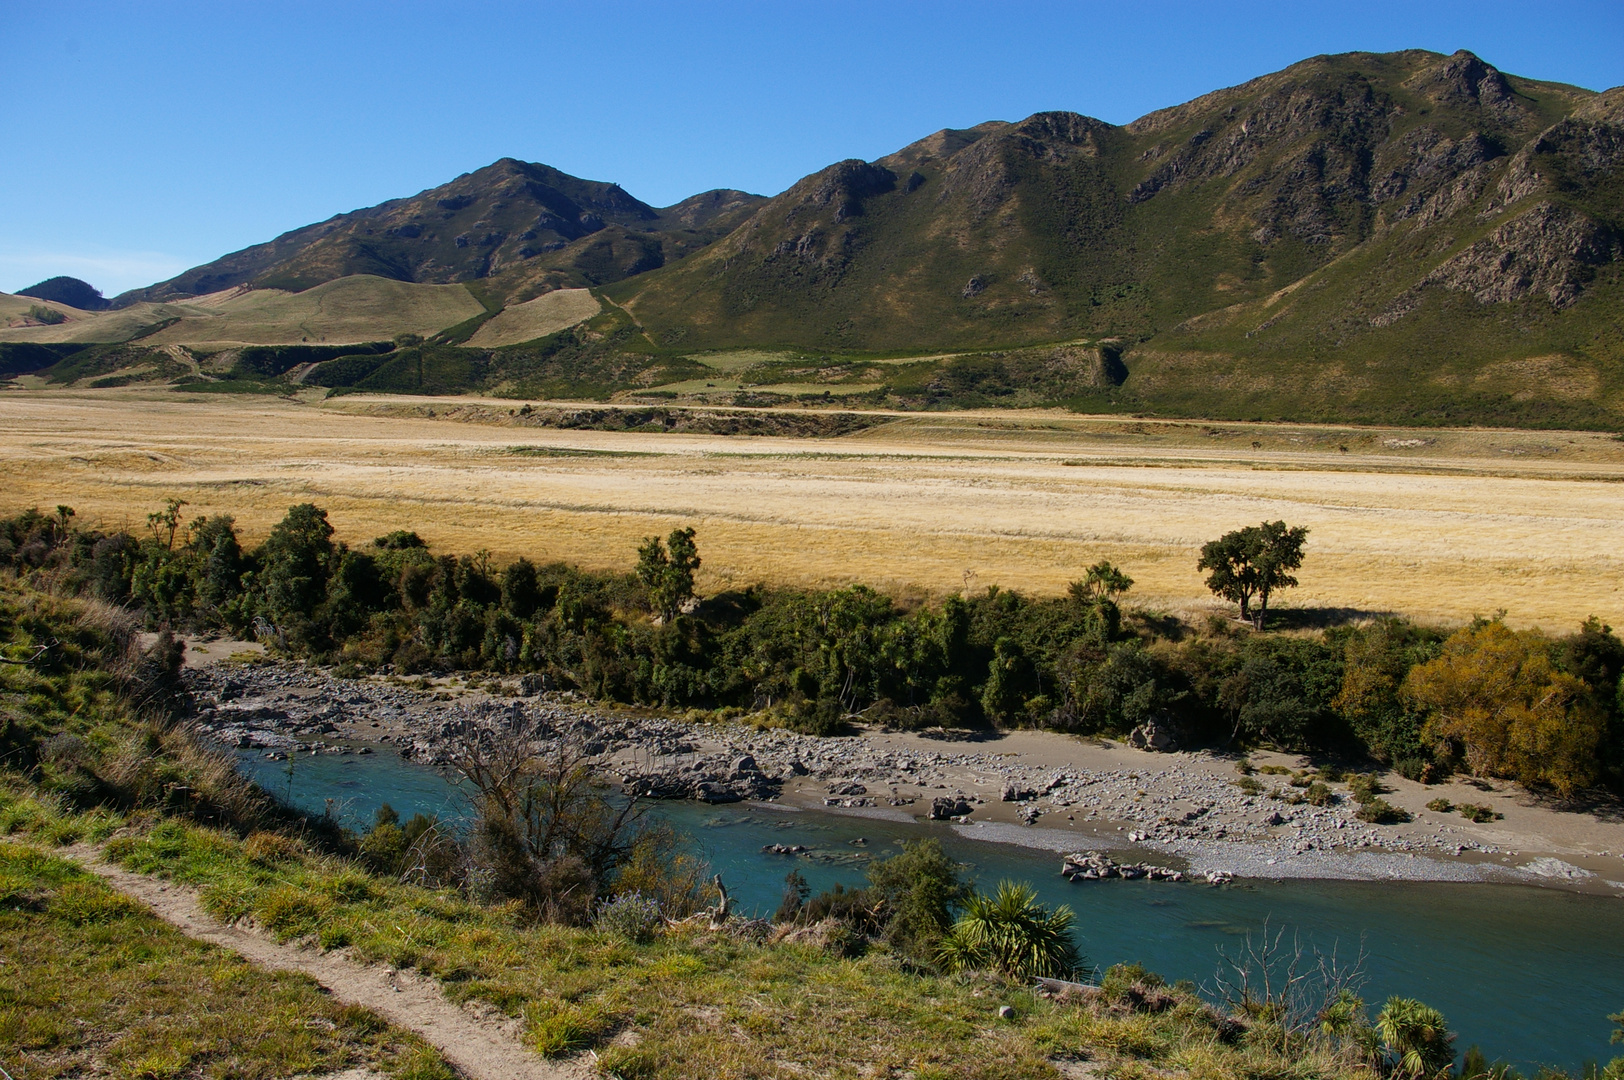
x=480, y=1047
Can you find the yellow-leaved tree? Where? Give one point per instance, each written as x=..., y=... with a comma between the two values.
x=1496, y=700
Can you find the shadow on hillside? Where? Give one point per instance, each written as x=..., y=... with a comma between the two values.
x=1604, y=806
x=1322, y=618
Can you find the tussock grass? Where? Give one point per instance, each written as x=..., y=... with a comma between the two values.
x=546, y=314
x=1441, y=530
x=94, y=985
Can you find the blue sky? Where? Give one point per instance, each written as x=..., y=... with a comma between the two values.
x=146, y=138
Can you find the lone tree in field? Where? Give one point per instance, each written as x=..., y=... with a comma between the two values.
x=1102, y=582
x=667, y=571
x=1253, y=562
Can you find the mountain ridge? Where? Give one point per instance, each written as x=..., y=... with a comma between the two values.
x=498, y=218
x=1399, y=235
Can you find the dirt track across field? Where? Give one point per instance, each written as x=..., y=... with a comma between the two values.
x=483, y=1048
x=1440, y=524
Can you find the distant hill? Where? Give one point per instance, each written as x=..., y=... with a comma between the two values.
x=1398, y=237
x=532, y=226
x=70, y=291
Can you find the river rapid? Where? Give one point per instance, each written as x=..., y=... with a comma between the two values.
x=1526, y=973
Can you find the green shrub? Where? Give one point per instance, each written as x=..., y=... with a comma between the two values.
x=1249, y=785
x=288, y=911
x=1418, y=1037
x=1379, y=811
x=272, y=849
x=85, y=902
x=1012, y=934
x=553, y=1028
x=1477, y=813
x=632, y=916
x=1440, y=805
x=1364, y=787
x=919, y=891
x=1319, y=795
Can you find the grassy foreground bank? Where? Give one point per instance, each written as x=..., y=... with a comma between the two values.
x=93, y=984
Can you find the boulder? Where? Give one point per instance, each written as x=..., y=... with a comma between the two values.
x=1154, y=734
x=947, y=807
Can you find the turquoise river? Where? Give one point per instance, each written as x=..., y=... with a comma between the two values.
x=1528, y=974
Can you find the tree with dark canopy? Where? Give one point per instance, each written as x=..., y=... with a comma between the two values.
x=1253, y=562
x=667, y=571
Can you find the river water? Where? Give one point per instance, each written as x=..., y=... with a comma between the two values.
x=1528, y=974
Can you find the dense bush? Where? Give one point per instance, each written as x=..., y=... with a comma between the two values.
x=1540, y=709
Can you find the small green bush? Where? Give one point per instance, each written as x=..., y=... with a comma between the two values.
x=1364, y=787
x=1012, y=934
x=632, y=916
x=1249, y=785
x=287, y=911
x=1440, y=806
x=1319, y=795
x=271, y=849
x=1379, y=811
x=1478, y=813
x=1418, y=1037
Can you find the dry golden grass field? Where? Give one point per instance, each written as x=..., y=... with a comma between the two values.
x=1439, y=524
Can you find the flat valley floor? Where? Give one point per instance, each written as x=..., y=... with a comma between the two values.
x=1439, y=524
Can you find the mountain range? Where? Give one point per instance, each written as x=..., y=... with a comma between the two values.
x=1403, y=236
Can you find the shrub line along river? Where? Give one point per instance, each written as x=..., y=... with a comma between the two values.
x=1526, y=973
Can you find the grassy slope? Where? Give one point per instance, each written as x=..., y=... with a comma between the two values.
x=690, y=1004
x=546, y=314
x=96, y=985
x=1062, y=251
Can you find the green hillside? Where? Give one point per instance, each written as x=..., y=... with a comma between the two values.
x=1400, y=237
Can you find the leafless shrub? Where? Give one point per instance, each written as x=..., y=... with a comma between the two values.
x=545, y=832
x=1288, y=994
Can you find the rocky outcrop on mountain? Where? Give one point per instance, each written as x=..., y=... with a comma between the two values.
x=1463, y=81
x=1549, y=251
